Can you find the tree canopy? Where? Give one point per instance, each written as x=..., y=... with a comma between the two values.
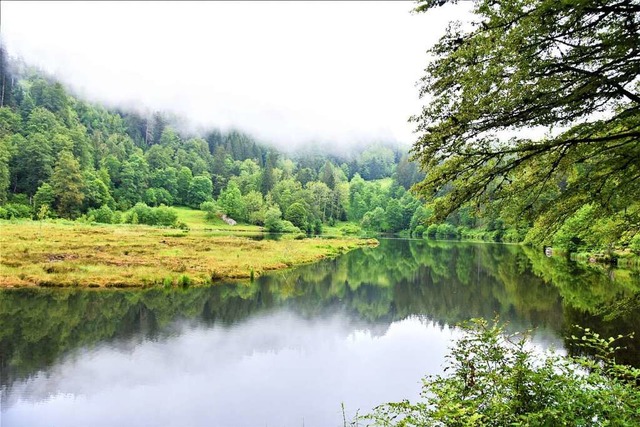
x=568, y=67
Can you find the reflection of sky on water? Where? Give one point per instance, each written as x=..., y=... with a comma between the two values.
x=277, y=369
x=286, y=350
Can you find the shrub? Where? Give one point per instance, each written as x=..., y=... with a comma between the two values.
x=495, y=379
x=570, y=237
x=103, y=215
x=43, y=212
x=288, y=227
x=184, y=281
x=446, y=231
x=211, y=209
x=17, y=210
x=158, y=196
x=139, y=214
x=351, y=229
x=19, y=199
x=257, y=217
x=44, y=196
x=373, y=220
x=273, y=220
x=432, y=230
x=143, y=214
x=165, y=216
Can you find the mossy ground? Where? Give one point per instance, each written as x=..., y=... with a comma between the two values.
x=64, y=253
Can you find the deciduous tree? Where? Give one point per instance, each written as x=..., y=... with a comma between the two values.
x=67, y=185
x=569, y=67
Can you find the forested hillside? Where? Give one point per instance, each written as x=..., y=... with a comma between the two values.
x=64, y=157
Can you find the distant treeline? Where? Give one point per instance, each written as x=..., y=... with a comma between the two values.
x=63, y=157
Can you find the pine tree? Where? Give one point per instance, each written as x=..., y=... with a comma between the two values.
x=6, y=80
x=327, y=176
x=267, y=175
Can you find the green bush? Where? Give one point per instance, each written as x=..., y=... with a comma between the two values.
x=211, y=208
x=139, y=214
x=273, y=220
x=19, y=199
x=431, y=232
x=446, y=231
x=184, y=281
x=350, y=230
x=418, y=231
x=16, y=210
x=165, y=216
x=495, y=379
x=157, y=196
x=374, y=220
x=143, y=214
x=288, y=227
x=44, y=196
x=570, y=237
x=103, y=215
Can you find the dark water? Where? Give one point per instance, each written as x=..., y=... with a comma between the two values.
x=289, y=348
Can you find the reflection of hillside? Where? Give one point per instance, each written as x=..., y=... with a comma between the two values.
x=607, y=301
x=459, y=281
x=442, y=281
x=588, y=288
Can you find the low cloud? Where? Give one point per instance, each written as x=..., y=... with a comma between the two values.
x=290, y=73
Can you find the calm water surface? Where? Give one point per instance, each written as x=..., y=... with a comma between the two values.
x=289, y=348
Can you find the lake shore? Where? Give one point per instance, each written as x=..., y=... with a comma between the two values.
x=63, y=254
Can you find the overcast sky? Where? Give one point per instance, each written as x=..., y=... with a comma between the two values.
x=287, y=72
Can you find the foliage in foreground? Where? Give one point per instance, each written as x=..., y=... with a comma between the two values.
x=495, y=379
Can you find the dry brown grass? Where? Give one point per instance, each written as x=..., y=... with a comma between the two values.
x=74, y=254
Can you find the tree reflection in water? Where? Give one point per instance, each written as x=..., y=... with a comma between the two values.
x=446, y=282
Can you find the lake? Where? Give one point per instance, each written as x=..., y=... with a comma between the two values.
x=292, y=347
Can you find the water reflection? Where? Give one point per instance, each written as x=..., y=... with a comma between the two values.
x=275, y=369
x=361, y=329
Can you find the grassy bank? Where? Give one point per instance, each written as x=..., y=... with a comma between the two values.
x=73, y=254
